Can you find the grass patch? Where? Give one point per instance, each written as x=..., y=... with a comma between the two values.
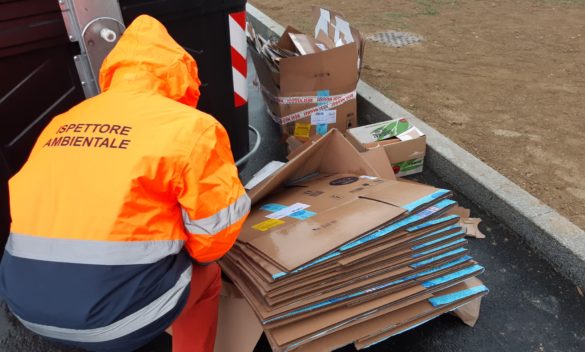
x=429, y=7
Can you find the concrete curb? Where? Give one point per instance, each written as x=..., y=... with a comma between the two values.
x=560, y=241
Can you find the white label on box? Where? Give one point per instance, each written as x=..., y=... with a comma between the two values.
x=369, y=177
x=324, y=117
x=287, y=211
x=409, y=134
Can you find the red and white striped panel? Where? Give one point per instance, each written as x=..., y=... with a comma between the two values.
x=237, y=23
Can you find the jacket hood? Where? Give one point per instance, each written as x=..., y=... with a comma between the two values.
x=148, y=59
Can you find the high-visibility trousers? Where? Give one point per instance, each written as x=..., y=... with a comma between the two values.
x=194, y=330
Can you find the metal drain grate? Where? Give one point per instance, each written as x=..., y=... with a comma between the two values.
x=396, y=39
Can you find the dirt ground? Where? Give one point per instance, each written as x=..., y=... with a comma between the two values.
x=503, y=79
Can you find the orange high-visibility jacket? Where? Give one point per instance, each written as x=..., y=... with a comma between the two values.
x=117, y=196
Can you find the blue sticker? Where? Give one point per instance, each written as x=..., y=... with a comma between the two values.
x=322, y=93
x=425, y=200
x=440, y=206
x=456, y=275
x=338, y=299
x=302, y=214
x=432, y=223
x=436, y=249
x=438, y=257
x=299, y=215
x=317, y=261
x=272, y=207
x=440, y=267
x=456, y=296
x=448, y=228
x=430, y=243
x=279, y=275
x=321, y=129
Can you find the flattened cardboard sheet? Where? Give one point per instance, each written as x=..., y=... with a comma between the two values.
x=414, y=251
x=393, y=241
x=365, y=290
x=337, y=204
x=348, y=319
x=389, y=318
x=425, y=314
x=382, y=263
x=399, y=271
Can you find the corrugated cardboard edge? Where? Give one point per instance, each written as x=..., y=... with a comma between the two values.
x=560, y=241
x=469, y=313
x=232, y=335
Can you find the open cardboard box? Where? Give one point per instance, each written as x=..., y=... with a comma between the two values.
x=312, y=93
x=405, y=149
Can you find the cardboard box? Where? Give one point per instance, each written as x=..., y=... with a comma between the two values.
x=315, y=90
x=404, y=144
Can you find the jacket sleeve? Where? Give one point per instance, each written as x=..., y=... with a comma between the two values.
x=213, y=201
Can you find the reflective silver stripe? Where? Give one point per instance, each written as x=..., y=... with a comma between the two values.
x=89, y=251
x=137, y=320
x=220, y=220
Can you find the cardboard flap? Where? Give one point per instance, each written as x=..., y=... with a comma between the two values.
x=330, y=154
x=378, y=158
x=285, y=42
x=325, y=232
x=238, y=328
x=414, y=148
x=463, y=213
x=265, y=74
x=297, y=149
x=325, y=40
x=331, y=26
x=410, y=317
x=400, y=193
x=334, y=70
x=469, y=313
x=305, y=44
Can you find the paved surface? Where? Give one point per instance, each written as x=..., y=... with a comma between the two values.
x=530, y=306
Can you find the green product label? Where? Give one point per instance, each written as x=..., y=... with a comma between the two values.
x=391, y=129
x=406, y=166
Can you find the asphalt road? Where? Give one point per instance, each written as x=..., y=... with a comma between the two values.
x=530, y=307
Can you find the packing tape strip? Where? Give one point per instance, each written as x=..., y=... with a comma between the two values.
x=306, y=99
x=340, y=99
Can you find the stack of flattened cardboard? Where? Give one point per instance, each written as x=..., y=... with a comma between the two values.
x=333, y=254
x=309, y=81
